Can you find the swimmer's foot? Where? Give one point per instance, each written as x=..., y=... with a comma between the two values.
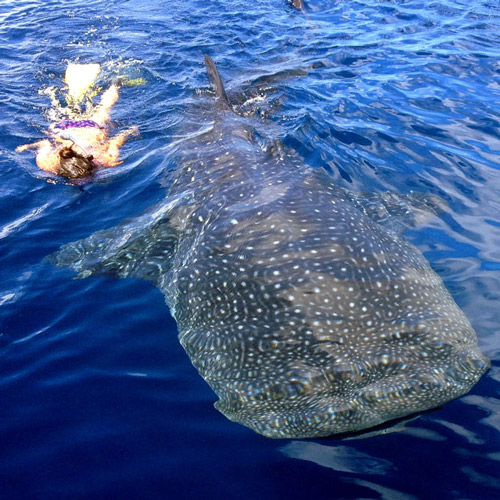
x=133, y=131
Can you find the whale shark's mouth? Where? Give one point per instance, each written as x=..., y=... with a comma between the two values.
x=297, y=411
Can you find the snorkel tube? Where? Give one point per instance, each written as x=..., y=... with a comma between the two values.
x=64, y=134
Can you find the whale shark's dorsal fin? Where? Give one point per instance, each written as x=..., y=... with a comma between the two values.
x=216, y=81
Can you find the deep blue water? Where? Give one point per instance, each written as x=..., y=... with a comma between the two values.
x=97, y=398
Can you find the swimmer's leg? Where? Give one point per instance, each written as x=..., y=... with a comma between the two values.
x=102, y=113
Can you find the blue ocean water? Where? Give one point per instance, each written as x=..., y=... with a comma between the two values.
x=97, y=398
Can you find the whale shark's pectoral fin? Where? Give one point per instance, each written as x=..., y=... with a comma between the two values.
x=398, y=212
x=121, y=252
x=127, y=250
x=142, y=247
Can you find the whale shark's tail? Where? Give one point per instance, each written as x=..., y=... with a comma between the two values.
x=216, y=81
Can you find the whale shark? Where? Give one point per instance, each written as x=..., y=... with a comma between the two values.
x=297, y=301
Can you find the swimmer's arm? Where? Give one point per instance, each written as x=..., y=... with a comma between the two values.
x=118, y=140
x=47, y=158
x=114, y=145
x=33, y=145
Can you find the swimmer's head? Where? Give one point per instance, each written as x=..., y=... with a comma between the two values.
x=74, y=165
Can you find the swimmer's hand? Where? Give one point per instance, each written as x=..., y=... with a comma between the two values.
x=134, y=131
x=131, y=131
x=21, y=149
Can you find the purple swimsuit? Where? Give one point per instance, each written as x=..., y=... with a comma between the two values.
x=65, y=124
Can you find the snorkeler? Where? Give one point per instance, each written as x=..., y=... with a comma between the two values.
x=76, y=148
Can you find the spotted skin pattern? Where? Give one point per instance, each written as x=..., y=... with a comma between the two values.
x=304, y=315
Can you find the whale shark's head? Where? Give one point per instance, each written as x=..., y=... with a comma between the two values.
x=306, y=325
x=310, y=378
